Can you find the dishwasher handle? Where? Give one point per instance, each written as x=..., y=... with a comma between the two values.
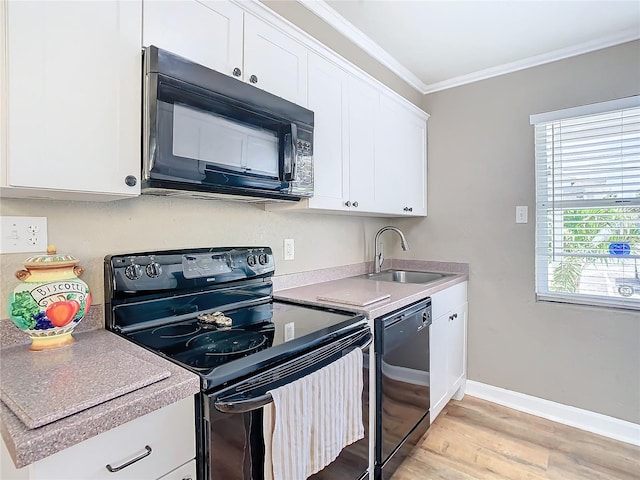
x=409, y=311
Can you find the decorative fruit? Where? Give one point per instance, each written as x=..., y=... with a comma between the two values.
x=61, y=313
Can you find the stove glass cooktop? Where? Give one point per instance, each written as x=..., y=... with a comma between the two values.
x=203, y=346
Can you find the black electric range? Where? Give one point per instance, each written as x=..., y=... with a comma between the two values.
x=212, y=311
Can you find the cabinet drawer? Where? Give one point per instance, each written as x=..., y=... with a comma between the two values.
x=168, y=432
x=445, y=300
x=185, y=472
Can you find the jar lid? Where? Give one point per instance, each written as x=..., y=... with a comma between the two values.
x=50, y=260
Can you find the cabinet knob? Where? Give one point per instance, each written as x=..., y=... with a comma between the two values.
x=347, y=203
x=237, y=72
x=408, y=209
x=453, y=317
x=130, y=181
x=355, y=204
x=253, y=79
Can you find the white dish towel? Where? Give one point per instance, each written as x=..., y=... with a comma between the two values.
x=312, y=419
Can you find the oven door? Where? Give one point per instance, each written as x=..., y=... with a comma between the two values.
x=231, y=444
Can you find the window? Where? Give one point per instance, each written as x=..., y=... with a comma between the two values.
x=588, y=204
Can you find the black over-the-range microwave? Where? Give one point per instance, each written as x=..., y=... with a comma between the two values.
x=207, y=134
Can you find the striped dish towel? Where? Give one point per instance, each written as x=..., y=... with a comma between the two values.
x=312, y=419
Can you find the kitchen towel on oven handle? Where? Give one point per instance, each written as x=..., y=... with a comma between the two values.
x=313, y=418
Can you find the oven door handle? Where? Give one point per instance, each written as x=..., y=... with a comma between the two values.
x=233, y=404
x=244, y=405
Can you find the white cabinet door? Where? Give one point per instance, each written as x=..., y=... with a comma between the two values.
x=457, y=343
x=207, y=32
x=448, y=347
x=328, y=85
x=438, y=353
x=413, y=165
x=400, y=162
x=274, y=62
x=73, y=94
x=363, y=105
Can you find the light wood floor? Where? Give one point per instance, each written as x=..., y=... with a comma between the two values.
x=475, y=439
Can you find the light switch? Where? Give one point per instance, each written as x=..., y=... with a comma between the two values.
x=522, y=214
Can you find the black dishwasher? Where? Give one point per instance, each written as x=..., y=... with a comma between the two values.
x=402, y=379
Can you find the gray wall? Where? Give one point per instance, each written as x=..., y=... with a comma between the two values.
x=481, y=165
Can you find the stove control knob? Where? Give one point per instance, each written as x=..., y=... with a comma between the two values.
x=251, y=260
x=154, y=270
x=263, y=259
x=133, y=272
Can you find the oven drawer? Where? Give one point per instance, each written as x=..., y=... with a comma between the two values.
x=169, y=433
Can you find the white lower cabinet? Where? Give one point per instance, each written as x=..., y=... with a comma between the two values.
x=448, y=347
x=184, y=472
x=164, y=442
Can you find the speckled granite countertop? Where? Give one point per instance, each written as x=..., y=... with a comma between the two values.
x=301, y=288
x=27, y=446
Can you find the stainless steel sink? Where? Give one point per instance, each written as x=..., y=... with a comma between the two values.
x=407, y=276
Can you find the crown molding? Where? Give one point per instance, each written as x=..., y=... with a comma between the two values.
x=337, y=21
x=561, y=54
x=333, y=18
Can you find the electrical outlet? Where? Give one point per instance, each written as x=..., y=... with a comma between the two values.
x=289, y=331
x=289, y=252
x=522, y=214
x=23, y=234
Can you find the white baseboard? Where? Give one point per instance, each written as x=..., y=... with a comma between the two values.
x=604, y=425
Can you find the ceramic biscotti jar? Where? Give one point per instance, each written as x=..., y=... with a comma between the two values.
x=50, y=301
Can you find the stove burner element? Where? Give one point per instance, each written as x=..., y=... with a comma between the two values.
x=217, y=319
x=176, y=331
x=234, y=341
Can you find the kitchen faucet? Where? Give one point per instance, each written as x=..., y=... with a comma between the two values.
x=378, y=257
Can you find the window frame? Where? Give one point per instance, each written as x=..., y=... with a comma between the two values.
x=543, y=232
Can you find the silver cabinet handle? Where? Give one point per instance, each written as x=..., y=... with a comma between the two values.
x=253, y=79
x=408, y=209
x=355, y=204
x=125, y=465
x=347, y=203
x=237, y=72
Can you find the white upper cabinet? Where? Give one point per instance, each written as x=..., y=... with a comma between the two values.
x=208, y=32
x=71, y=100
x=363, y=106
x=401, y=159
x=344, y=114
x=328, y=93
x=274, y=62
x=370, y=148
x=222, y=36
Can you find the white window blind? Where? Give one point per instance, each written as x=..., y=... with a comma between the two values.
x=588, y=204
